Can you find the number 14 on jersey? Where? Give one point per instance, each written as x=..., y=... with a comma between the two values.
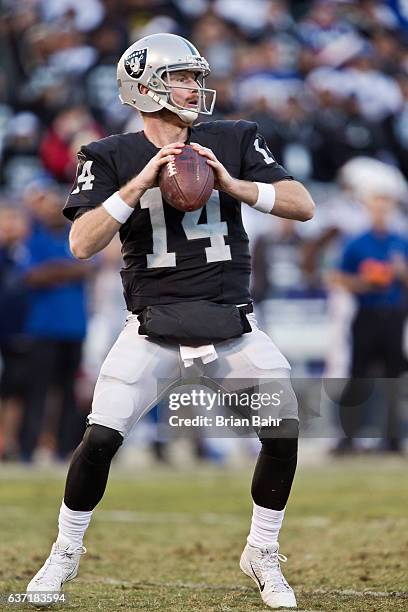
x=214, y=229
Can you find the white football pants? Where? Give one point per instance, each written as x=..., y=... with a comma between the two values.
x=127, y=386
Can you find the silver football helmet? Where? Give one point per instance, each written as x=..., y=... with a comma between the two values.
x=149, y=61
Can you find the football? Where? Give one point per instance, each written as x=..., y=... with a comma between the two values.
x=187, y=182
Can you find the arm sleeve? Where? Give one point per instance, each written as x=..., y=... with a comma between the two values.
x=258, y=163
x=96, y=180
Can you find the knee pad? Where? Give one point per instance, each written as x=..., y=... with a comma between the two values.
x=100, y=444
x=281, y=442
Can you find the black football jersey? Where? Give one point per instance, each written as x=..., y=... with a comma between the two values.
x=169, y=255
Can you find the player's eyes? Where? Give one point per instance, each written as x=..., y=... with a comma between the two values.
x=186, y=79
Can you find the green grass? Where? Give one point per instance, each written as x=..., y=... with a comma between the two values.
x=175, y=546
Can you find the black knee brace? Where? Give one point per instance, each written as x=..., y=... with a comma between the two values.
x=283, y=447
x=100, y=444
x=276, y=465
x=89, y=469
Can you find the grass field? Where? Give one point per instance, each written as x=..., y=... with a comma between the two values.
x=167, y=540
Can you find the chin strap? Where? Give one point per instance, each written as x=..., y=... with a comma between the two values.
x=186, y=115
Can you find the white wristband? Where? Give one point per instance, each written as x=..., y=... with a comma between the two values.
x=117, y=208
x=266, y=197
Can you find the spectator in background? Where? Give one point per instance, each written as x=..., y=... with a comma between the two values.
x=265, y=71
x=108, y=311
x=72, y=56
x=100, y=86
x=71, y=128
x=84, y=16
x=378, y=95
x=13, y=346
x=341, y=132
x=341, y=216
x=374, y=268
x=290, y=135
x=218, y=42
x=226, y=107
x=370, y=14
x=20, y=151
x=56, y=322
x=271, y=51
x=396, y=126
x=323, y=24
x=45, y=88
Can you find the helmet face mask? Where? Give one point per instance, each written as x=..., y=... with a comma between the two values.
x=150, y=62
x=161, y=84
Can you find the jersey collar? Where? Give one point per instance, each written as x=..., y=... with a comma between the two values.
x=153, y=146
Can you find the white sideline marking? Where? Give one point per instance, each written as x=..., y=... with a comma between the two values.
x=225, y=587
x=214, y=518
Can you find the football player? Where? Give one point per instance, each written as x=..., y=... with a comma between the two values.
x=194, y=260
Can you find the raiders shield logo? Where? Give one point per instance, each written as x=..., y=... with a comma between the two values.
x=135, y=63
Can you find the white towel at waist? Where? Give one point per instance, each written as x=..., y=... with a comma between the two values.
x=207, y=353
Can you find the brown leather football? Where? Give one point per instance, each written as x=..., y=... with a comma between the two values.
x=187, y=183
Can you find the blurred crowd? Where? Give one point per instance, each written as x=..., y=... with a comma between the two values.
x=327, y=83
x=325, y=80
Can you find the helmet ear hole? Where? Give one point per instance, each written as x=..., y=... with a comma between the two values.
x=142, y=89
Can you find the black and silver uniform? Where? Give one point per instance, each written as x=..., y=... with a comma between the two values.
x=171, y=256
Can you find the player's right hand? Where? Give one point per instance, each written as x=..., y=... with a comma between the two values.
x=148, y=177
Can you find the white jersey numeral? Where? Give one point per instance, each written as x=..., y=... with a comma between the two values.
x=160, y=258
x=85, y=179
x=214, y=229
x=265, y=152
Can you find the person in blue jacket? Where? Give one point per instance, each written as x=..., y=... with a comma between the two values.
x=56, y=321
x=374, y=268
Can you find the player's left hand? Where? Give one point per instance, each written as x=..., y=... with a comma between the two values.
x=223, y=180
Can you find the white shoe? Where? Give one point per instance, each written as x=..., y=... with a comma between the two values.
x=262, y=565
x=61, y=566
